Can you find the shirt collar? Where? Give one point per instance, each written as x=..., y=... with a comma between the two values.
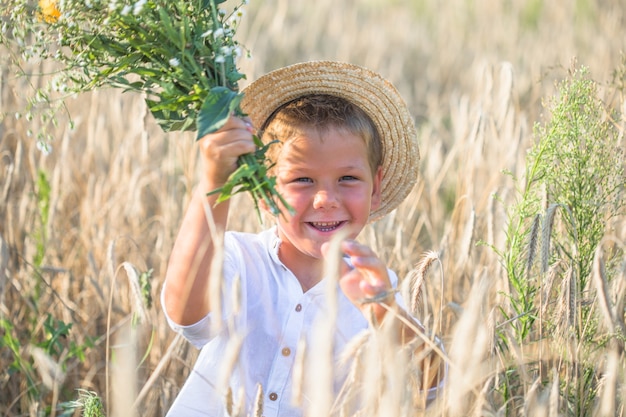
x=273, y=245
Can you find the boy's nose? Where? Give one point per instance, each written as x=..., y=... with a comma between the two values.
x=325, y=199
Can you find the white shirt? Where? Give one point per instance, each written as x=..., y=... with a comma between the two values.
x=271, y=315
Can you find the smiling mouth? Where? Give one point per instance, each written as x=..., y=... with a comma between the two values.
x=326, y=226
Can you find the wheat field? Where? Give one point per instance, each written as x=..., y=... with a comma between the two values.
x=81, y=227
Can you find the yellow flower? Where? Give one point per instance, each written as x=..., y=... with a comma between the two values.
x=48, y=11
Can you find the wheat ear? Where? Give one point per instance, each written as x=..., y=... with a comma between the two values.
x=418, y=275
x=135, y=290
x=258, y=402
x=567, y=301
x=547, y=287
x=546, y=233
x=532, y=244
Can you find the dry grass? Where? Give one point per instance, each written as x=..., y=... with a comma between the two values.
x=474, y=75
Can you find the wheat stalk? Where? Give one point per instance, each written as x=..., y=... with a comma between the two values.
x=619, y=285
x=352, y=357
x=608, y=395
x=124, y=373
x=158, y=370
x=481, y=399
x=239, y=403
x=553, y=401
x=236, y=295
x=571, y=294
x=215, y=274
x=298, y=372
x=466, y=239
x=602, y=289
x=51, y=371
x=319, y=375
x=228, y=401
x=467, y=351
x=491, y=219
x=530, y=399
x=4, y=261
x=491, y=330
x=229, y=361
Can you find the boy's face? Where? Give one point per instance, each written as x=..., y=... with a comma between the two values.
x=327, y=179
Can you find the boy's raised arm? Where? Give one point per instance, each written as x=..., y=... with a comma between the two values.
x=186, y=294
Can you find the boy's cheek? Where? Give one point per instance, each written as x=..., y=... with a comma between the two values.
x=294, y=198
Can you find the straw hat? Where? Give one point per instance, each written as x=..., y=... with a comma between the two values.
x=364, y=88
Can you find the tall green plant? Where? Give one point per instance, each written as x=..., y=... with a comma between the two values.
x=574, y=169
x=581, y=167
x=575, y=166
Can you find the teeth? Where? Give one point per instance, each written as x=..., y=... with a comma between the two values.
x=325, y=226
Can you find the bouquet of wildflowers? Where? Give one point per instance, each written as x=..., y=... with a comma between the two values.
x=181, y=54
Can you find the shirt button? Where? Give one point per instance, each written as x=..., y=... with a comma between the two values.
x=286, y=351
x=299, y=308
x=273, y=396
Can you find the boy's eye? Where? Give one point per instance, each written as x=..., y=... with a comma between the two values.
x=303, y=179
x=348, y=178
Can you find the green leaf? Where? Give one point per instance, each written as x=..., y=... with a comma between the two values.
x=244, y=171
x=217, y=107
x=171, y=124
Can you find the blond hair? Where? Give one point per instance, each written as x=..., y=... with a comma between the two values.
x=321, y=112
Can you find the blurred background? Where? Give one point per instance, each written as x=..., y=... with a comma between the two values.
x=85, y=232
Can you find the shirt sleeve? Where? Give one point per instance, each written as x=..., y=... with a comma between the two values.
x=204, y=330
x=198, y=334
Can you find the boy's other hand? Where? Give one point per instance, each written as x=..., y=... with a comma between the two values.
x=367, y=279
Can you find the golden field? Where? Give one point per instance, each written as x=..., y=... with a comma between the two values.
x=78, y=227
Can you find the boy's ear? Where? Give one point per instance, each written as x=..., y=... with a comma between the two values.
x=377, y=189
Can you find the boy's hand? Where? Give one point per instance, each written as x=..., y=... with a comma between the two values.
x=367, y=280
x=221, y=149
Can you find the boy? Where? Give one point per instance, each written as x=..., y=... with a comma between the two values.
x=346, y=155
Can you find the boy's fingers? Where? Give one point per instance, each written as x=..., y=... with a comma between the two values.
x=229, y=144
x=235, y=122
x=355, y=249
x=248, y=124
x=365, y=260
x=350, y=283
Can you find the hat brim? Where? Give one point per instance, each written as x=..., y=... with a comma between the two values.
x=364, y=88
